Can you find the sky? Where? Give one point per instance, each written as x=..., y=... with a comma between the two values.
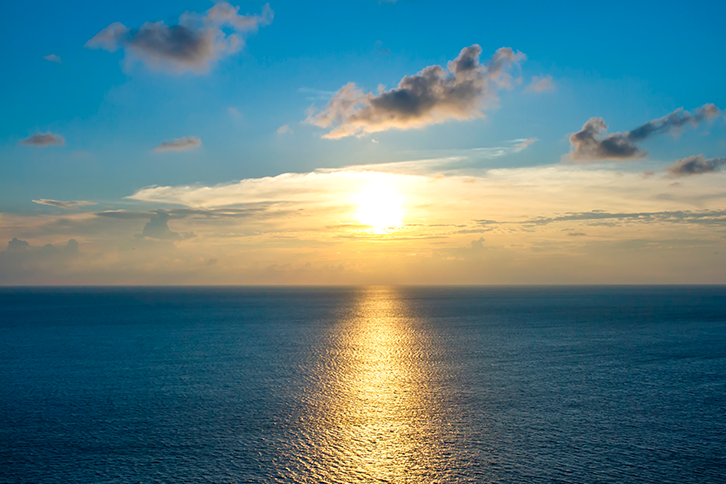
x=362, y=142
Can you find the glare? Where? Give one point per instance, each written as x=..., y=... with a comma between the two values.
x=380, y=207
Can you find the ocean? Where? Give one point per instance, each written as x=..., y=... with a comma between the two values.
x=363, y=384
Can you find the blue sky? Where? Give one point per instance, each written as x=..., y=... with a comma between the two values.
x=627, y=62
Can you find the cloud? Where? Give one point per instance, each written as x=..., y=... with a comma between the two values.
x=432, y=96
x=523, y=144
x=52, y=58
x=540, y=84
x=592, y=143
x=180, y=144
x=44, y=139
x=194, y=44
x=69, y=205
x=284, y=129
x=695, y=165
x=158, y=227
x=16, y=244
x=705, y=217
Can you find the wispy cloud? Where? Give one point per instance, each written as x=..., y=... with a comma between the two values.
x=52, y=58
x=68, y=205
x=44, y=139
x=592, y=143
x=434, y=95
x=180, y=144
x=315, y=94
x=284, y=129
x=523, y=144
x=540, y=84
x=194, y=44
x=704, y=217
x=695, y=165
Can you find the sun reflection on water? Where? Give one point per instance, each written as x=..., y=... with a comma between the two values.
x=377, y=419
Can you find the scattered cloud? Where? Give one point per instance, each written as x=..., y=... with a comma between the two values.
x=68, y=205
x=52, y=58
x=695, y=165
x=16, y=244
x=284, y=129
x=180, y=144
x=432, y=96
x=193, y=45
x=540, y=84
x=523, y=144
x=44, y=139
x=592, y=143
x=234, y=112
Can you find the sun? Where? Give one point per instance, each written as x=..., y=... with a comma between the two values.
x=380, y=207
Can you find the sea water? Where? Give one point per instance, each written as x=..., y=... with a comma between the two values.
x=363, y=384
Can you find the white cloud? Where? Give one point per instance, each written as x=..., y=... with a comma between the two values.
x=69, y=205
x=284, y=129
x=52, y=58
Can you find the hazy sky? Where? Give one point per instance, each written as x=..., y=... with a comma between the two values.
x=362, y=142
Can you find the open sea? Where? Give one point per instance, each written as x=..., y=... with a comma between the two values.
x=363, y=384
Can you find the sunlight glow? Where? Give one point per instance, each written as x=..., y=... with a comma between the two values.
x=380, y=207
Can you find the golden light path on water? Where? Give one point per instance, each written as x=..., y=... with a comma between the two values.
x=375, y=414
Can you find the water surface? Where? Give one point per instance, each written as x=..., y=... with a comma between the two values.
x=509, y=385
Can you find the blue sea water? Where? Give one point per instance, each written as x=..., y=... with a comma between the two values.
x=372, y=384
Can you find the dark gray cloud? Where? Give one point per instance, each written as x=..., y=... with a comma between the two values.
x=181, y=144
x=17, y=244
x=44, y=139
x=431, y=96
x=194, y=44
x=703, y=217
x=695, y=165
x=592, y=143
x=181, y=213
x=69, y=204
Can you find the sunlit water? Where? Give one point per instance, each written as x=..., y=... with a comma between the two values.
x=425, y=385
